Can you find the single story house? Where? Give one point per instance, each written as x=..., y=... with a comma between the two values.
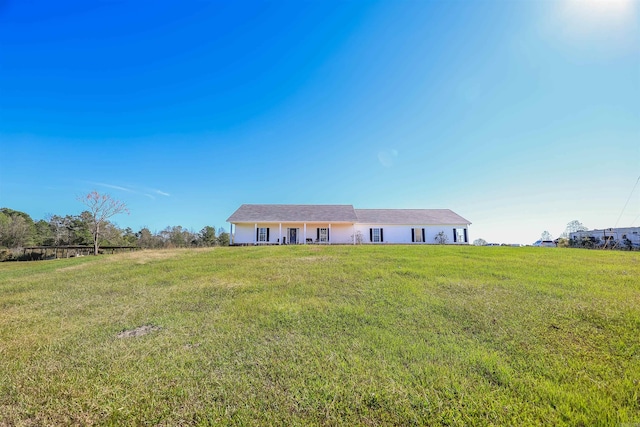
x=342, y=224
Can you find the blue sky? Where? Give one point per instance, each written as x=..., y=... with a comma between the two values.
x=518, y=115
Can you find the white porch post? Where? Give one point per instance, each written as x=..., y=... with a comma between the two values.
x=329, y=236
x=255, y=234
x=280, y=240
x=230, y=234
x=354, y=234
x=305, y=233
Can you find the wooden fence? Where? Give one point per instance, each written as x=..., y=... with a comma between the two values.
x=55, y=252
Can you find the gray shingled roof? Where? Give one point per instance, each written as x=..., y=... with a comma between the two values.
x=410, y=216
x=294, y=213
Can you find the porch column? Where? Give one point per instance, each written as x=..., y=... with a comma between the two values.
x=329, y=232
x=305, y=233
x=255, y=234
x=280, y=239
x=354, y=234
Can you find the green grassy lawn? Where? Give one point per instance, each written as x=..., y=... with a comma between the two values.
x=309, y=335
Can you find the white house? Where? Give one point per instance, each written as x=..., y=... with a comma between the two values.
x=342, y=224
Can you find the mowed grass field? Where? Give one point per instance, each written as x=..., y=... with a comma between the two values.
x=323, y=335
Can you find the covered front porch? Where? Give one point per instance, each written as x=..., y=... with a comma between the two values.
x=292, y=233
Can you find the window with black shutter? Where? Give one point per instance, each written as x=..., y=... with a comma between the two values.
x=323, y=235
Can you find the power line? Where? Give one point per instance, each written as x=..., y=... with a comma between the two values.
x=625, y=205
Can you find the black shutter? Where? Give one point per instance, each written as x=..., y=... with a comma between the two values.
x=454, y=236
x=257, y=234
x=371, y=234
x=328, y=239
x=423, y=239
x=466, y=239
x=317, y=234
x=267, y=234
x=413, y=235
x=381, y=238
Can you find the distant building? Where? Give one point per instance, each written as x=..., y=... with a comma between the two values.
x=609, y=237
x=546, y=243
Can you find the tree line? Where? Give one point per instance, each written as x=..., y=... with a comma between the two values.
x=19, y=230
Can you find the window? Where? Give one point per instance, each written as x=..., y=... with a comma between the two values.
x=460, y=235
x=323, y=234
x=262, y=235
x=417, y=235
x=375, y=235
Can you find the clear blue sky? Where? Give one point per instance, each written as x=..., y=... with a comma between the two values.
x=518, y=115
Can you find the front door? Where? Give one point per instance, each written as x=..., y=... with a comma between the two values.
x=293, y=236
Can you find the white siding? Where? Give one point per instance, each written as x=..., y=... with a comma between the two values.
x=401, y=234
x=343, y=233
x=244, y=233
x=338, y=234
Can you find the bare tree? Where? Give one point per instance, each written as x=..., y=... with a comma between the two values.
x=101, y=208
x=572, y=227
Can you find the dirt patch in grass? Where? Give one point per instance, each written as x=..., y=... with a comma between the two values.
x=139, y=331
